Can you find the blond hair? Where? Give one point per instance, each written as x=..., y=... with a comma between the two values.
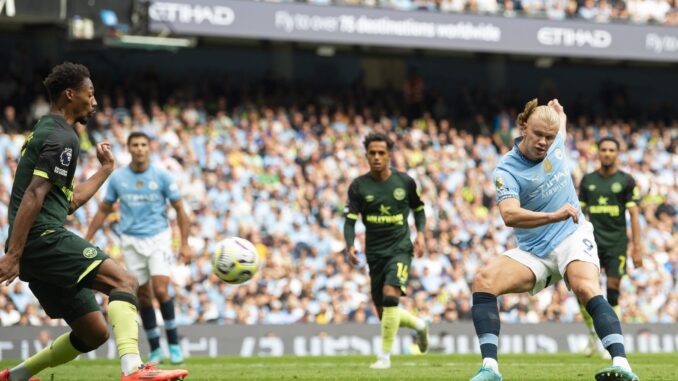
x=545, y=113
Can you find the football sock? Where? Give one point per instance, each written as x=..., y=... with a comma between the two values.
x=150, y=326
x=407, y=320
x=390, y=322
x=62, y=350
x=167, y=310
x=607, y=326
x=587, y=319
x=122, y=313
x=486, y=322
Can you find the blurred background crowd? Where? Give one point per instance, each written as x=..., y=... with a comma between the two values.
x=274, y=167
x=604, y=11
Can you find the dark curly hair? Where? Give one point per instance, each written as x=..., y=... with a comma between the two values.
x=609, y=139
x=378, y=137
x=65, y=76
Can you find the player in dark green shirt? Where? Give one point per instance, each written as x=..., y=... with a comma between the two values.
x=384, y=198
x=605, y=195
x=61, y=268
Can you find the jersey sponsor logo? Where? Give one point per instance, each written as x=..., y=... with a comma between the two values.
x=89, y=252
x=152, y=185
x=559, y=154
x=65, y=157
x=616, y=187
x=369, y=198
x=399, y=194
x=60, y=171
x=557, y=182
x=604, y=208
x=548, y=167
x=395, y=220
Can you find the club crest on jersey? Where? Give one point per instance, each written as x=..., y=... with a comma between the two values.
x=369, y=198
x=559, y=154
x=616, y=187
x=399, y=194
x=499, y=182
x=89, y=252
x=140, y=184
x=548, y=167
x=152, y=185
x=66, y=156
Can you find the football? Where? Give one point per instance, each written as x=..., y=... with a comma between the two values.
x=235, y=260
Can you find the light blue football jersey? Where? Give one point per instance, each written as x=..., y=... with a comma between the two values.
x=541, y=187
x=143, y=199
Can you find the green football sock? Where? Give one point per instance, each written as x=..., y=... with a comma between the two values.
x=407, y=320
x=390, y=322
x=123, y=317
x=59, y=352
x=587, y=319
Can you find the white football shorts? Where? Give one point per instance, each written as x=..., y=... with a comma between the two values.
x=579, y=246
x=148, y=256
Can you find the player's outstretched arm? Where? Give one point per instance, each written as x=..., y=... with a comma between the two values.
x=83, y=192
x=516, y=217
x=104, y=210
x=554, y=104
x=28, y=211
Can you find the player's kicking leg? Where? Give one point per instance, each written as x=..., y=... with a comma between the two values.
x=121, y=287
x=583, y=279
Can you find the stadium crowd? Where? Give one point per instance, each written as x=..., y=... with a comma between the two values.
x=604, y=11
x=278, y=176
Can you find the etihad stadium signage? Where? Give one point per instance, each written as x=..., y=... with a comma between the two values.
x=421, y=30
x=354, y=339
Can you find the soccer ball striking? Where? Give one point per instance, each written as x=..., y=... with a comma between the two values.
x=235, y=260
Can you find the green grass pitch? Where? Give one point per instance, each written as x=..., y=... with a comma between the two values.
x=428, y=367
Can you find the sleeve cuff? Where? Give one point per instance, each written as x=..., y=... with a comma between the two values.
x=631, y=204
x=582, y=204
x=40, y=173
x=419, y=209
x=352, y=216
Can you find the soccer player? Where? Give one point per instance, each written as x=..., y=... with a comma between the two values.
x=605, y=195
x=536, y=197
x=61, y=268
x=143, y=190
x=384, y=198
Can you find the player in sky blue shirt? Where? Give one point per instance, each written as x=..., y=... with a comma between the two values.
x=536, y=197
x=144, y=190
x=143, y=199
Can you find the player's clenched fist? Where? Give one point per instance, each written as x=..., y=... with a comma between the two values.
x=105, y=154
x=352, y=254
x=565, y=212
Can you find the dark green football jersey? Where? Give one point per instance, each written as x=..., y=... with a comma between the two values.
x=607, y=199
x=384, y=207
x=51, y=151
